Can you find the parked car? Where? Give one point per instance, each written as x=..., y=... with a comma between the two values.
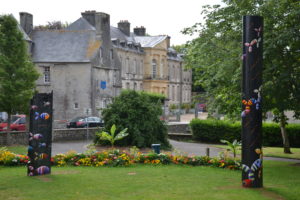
x=18, y=123
x=82, y=122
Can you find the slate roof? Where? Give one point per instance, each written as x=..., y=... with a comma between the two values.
x=80, y=24
x=64, y=45
x=150, y=41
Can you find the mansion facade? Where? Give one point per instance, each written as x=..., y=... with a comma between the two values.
x=88, y=63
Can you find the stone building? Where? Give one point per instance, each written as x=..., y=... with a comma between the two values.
x=148, y=63
x=78, y=64
x=89, y=62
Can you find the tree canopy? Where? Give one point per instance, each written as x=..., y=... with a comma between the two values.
x=139, y=112
x=17, y=73
x=216, y=55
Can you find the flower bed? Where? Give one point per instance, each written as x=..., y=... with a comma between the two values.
x=117, y=158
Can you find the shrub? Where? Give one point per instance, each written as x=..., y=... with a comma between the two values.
x=213, y=131
x=139, y=112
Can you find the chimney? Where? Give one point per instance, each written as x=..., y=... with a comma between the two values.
x=139, y=31
x=168, y=41
x=124, y=26
x=101, y=21
x=26, y=22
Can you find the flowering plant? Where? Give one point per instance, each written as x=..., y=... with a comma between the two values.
x=115, y=158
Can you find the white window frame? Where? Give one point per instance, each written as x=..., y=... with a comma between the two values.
x=47, y=74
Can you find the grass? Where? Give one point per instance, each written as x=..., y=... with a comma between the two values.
x=18, y=149
x=148, y=182
x=272, y=152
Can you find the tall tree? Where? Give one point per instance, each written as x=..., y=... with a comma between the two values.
x=216, y=56
x=17, y=73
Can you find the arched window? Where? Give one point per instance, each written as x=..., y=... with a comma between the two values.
x=154, y=68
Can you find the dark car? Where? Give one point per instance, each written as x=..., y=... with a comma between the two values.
x=83, y=122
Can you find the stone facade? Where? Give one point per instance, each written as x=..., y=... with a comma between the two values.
x=89, y=62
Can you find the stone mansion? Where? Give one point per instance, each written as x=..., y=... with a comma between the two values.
x=88, y=63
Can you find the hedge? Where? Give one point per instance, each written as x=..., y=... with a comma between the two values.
x=212, y=131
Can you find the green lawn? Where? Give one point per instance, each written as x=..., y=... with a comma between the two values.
x=272, y=152
x=18, y=149
x=148, y=182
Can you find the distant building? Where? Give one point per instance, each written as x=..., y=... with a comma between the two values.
x=89, y=62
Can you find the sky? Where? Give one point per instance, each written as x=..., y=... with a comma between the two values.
x=159, y=17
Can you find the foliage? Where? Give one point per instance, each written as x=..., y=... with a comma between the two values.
x=215, y=56
x=140, y=114
x=17, y=73
x=8, y=158
x=213, y=131
x=54, y=25
x=117, y=158
x=112, y=137
x=232, y=145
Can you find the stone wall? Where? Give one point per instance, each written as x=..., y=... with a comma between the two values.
x=58, y=135
x=177, y=130
x=12, y=138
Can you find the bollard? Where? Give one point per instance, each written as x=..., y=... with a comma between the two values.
x=207, y=152
x=156, y=148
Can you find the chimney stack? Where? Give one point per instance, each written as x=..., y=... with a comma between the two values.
x=124, y=26
x=101, y=21
x=139, y=31
x=26, y=22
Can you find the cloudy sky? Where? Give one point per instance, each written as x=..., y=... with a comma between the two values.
x=160, y=17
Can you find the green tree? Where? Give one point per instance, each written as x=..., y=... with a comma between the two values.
x=216, y=56
x=140, y=113
x=17, y=73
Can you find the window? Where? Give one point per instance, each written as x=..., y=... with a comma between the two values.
x=47, y=74
x=135, y=86
x=162, y=68
x=154, y=66
x=127, y=85
x=111, y=54
x=76, y=106
x=127, y=65
x=101, y=54
x=134, y=67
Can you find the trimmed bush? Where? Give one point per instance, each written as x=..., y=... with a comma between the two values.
x=212, y=131
x=139, y=112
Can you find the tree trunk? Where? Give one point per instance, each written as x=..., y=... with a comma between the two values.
x=284, y=134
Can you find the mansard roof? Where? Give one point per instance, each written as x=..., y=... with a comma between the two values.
x=117, y=33
x=64, y=45
x=150, y=41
